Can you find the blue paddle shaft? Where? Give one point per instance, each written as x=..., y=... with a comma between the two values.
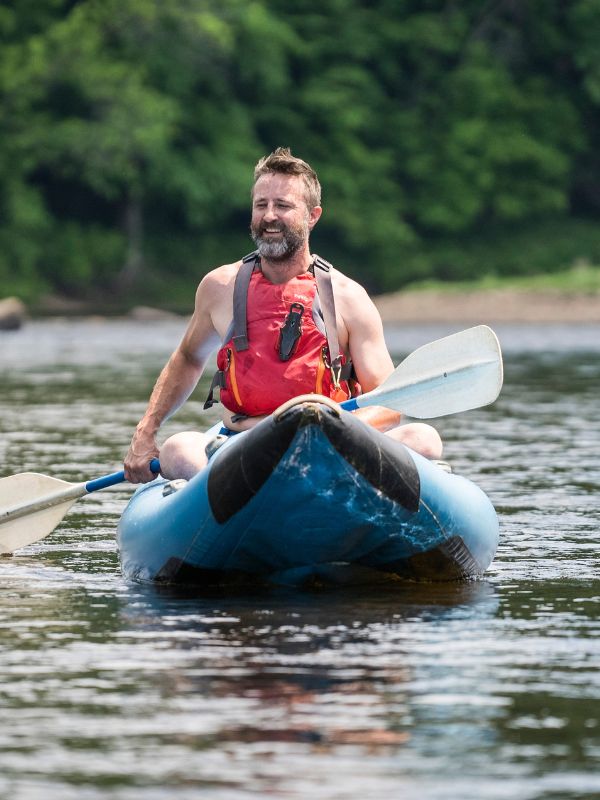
x=115, y=477
x=350, y=404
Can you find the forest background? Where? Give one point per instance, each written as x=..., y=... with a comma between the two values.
x=453, y=140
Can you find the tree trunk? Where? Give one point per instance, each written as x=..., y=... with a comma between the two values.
x=134, y=230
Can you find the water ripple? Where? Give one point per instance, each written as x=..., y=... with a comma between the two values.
x=487, y=689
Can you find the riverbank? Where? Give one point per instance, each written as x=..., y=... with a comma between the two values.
x=459, y=303
x=489, y=306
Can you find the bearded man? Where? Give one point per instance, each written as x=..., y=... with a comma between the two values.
x=286, y=323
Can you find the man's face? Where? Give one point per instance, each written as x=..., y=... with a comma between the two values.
x=281, y=221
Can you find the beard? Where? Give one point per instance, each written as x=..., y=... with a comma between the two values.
x=292, y=239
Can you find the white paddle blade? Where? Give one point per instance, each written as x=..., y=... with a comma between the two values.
x=457, y=373
x=27, y=486
x=31, y=506
x=19, y=532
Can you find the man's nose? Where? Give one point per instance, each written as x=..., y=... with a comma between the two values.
x=270, y=212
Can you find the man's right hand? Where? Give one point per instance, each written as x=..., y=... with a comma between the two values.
x=137, y=461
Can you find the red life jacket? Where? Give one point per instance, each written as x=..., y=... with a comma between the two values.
x=281, y=349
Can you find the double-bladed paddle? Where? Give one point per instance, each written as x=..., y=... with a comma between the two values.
x=456, y=373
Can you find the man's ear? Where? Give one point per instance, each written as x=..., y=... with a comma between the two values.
x=314, y=216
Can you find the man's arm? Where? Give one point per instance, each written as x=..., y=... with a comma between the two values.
x=368, y=351
x=175, y=384
x=366, y=342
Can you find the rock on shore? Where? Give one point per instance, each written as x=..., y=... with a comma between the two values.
x=12, y=314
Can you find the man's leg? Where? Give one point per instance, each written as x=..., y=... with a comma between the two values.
x=420, y=437
x=182, y=455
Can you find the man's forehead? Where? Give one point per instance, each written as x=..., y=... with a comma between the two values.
x=275, y=184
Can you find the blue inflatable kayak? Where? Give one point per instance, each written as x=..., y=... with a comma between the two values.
x=311, y=495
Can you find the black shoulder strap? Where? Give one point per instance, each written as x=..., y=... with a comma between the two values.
x=322, y=270
x=240, y=300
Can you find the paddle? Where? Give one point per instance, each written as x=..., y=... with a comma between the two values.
x=32, y=505
x=456, y=373
x=453, y=374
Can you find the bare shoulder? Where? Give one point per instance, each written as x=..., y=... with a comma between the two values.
x=218, y=280
x=214, y=297
x=362, y=322
x=352, y=299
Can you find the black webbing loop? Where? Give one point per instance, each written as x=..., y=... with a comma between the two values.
x=218, y=382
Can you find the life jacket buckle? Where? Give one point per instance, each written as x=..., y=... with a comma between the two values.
x=335, y=367
x=336, y=374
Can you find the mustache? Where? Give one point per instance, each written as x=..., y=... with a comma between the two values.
x=279, y=227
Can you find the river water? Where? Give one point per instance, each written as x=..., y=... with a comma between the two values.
x=485, y=690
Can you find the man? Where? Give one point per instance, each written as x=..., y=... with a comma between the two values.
x=280, y=302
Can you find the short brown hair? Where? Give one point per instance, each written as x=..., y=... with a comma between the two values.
x=281, y=160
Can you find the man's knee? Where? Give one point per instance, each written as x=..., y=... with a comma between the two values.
x=420, y=437
x=182, y=455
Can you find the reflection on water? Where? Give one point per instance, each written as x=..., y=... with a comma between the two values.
x=487, y=689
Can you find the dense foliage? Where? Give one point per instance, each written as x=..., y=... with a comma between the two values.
x=129, y=131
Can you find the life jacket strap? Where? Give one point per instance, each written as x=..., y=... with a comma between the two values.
x=240, y=294
x=322, y=272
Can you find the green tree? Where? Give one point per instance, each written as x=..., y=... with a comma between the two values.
x=129, y=131
x=113, y=108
